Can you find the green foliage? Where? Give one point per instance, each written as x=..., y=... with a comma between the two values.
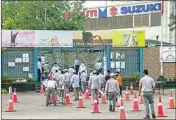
x=2, y=51
x=137, y=75
x=4, y=77
x=31, y=15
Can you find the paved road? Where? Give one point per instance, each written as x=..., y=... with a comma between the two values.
x=32, y=106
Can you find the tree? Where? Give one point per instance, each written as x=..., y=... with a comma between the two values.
x=172, y=24
x=31, y=15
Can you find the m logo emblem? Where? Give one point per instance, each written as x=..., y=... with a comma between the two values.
x=102, y=12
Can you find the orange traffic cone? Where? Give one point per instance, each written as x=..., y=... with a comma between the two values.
x=122, y=115
x=141, y=100
x=57, y=98
x=135, y=104
x=51, y=99
x=95, y=105
x=41, y=89
x=160, y=112
x=117, y=103
x=15, y=98
x=10, y=105
x=87, y=94
x=131, y=89
x=103, y=99
x=171, y=101
x=80, y=102
x=127, y=97
x=67, y=98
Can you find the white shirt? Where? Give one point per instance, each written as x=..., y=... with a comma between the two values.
x=98, y=65
x=54, y=68
x=39, y=65
x=147, y=83
x=101, y=78
x=71, y=70
x=83, y=68
x=51, y=84
x=83, y=77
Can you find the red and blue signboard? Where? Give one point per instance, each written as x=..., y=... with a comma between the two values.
x=122, y=10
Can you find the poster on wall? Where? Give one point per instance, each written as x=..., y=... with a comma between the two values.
x=128, y=38
x=18, y=38
x=168, y=54
x=25, y=60
x=53, y=38
x=26, y=69
x=18, y=60
x=11, y=64
x=95, y=38
x=118, y=56
x=122, y=64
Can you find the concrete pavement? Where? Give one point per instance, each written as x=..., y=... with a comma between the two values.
x=32, y=106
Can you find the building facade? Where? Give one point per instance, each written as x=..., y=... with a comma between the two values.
x=134, y=16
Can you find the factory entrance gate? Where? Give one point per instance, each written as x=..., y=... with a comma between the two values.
x=65, y=56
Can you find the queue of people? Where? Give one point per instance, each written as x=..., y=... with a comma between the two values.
x=76, y=77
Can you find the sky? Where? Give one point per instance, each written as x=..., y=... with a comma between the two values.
x=92, y=4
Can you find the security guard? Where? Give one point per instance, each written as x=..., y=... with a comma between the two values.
x=51, y=86
x=112, y=90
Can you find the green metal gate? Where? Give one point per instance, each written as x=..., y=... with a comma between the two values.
x=125, y=60
x=15, y=68
x=65, y=56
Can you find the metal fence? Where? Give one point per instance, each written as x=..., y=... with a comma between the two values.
x=14, y=63
x=65, y=56
x=126, y=61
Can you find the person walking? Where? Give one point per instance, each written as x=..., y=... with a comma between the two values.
x=120, y=82
x=98, y=66
x=147, y=88
x=39, y=70
x=75, y=85
x=51, y=87
x=112, y=90
x=83, y=78
x=107, y=76
x=101, y=78
x=94, y=84
x=67, y=79
x=46, y=69
x=54, y=68
x=82, y=68
x=71, y=70
x=77, y=64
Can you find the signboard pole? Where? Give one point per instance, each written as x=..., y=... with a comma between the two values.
x=162, y=22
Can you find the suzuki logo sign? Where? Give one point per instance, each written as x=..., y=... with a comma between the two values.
x=91, y=13
x=121, y=10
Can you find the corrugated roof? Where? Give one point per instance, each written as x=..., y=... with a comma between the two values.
x=157, y=43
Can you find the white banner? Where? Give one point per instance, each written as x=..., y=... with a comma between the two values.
x=168, y=54
x=53, y=38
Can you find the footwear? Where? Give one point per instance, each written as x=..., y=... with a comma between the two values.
x=55, y=105
x=47, y=104
x=147, y=117
x=110, y=108
x=153, y=115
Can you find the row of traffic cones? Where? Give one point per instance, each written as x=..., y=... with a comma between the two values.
x=12, y=99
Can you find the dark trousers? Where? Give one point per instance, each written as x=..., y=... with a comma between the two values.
x=39, y=75
x=120, y=87
x=77, y=69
